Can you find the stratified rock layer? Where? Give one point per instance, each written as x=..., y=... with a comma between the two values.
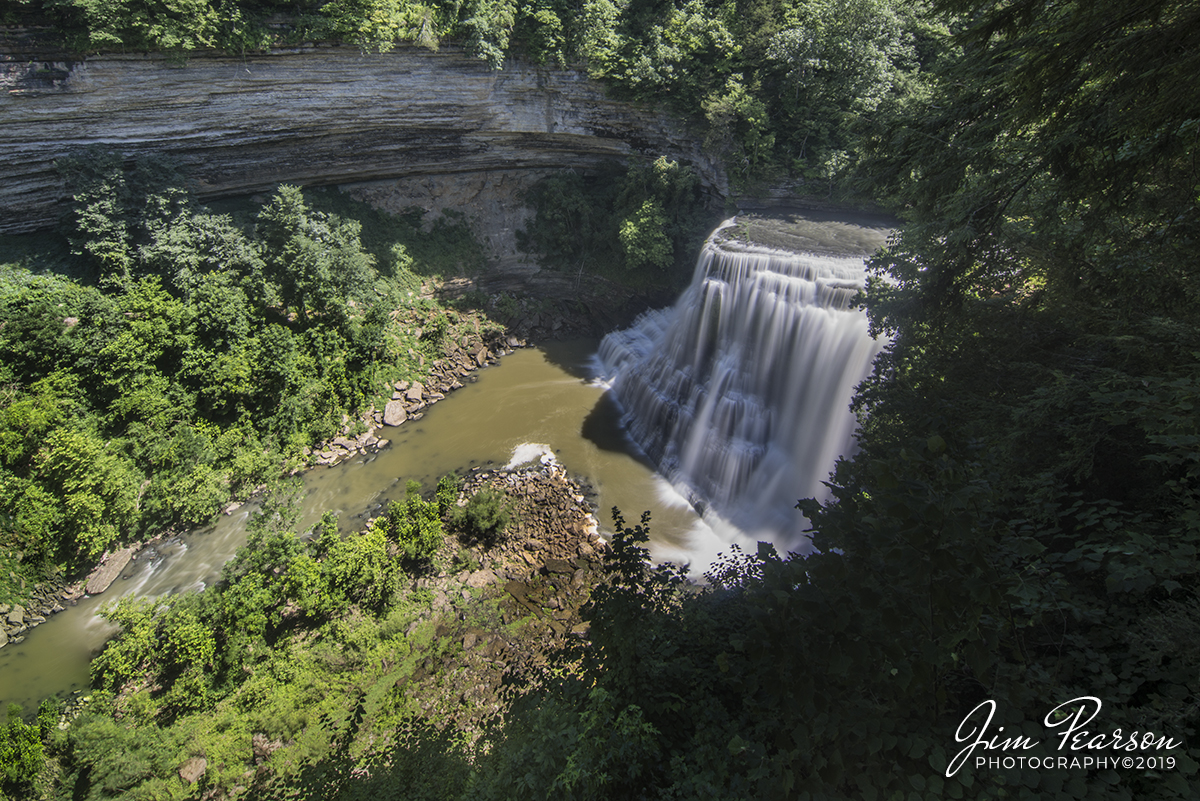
x=411, y=126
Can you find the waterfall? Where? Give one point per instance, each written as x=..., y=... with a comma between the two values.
x=740, y=393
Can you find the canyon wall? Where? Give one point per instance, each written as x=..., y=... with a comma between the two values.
x=410, y=127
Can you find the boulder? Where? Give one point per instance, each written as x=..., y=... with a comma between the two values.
x=480, y=578
x=106, y=573
x=193, y=769
x=17, y=616
x=415, y=392
x=559, y=566
x=262, y=747
x=3, y=638
x=394, y=414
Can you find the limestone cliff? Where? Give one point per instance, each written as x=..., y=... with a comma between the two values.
x=410, y=127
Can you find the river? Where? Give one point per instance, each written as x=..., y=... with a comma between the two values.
x=536, y=396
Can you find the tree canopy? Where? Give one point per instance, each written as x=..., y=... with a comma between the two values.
x=194, y=355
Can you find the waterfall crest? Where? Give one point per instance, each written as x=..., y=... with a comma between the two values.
x=740, y=393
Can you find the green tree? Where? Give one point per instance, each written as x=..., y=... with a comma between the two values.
x=489, y=25
x=316, y=260
x=541, y=28
x=416, y=524
x=188, y=248
x=21, y=754
x=95, y=491
x=485, y=516
x=142, y=358
x=643, y=240
x=833, y=60
x=25, y=421
x=359, y=569
x=167, y=25
x=378, y=24
x=127, y=659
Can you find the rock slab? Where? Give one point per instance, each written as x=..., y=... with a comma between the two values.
x=193, y=769
x=108, y=570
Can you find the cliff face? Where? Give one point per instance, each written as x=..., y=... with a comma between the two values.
x=411, y=127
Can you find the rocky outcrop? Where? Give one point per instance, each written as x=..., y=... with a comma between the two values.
x=44, y=601
x=553, y=305
x=107, y=571
x=515, y=605
x=409, y=127
x=192, y=770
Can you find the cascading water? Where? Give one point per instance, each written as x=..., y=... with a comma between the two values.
x=741, y=392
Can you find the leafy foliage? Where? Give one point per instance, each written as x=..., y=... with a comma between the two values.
x=303, y=640
x=21, y=755
x=198, y=357
x=644, y=224
x=485, y=515
x=593, y=751
x=416, y=524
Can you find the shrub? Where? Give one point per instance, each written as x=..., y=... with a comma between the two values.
x=21, y=757
x=485, y=516
x=447, y=492
x=416, y=525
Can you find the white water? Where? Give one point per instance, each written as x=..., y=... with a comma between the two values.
x=741, y=392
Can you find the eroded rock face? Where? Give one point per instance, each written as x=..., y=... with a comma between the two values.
x=410, y=127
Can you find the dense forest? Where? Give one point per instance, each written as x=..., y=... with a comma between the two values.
x=1020, y=524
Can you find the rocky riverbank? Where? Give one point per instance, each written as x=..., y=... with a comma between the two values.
x=511, y=602
x=45, y=600
x=478, y=626
x=51, y=597
x=475, y=344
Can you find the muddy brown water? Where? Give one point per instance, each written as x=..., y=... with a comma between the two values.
x=537, y=396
